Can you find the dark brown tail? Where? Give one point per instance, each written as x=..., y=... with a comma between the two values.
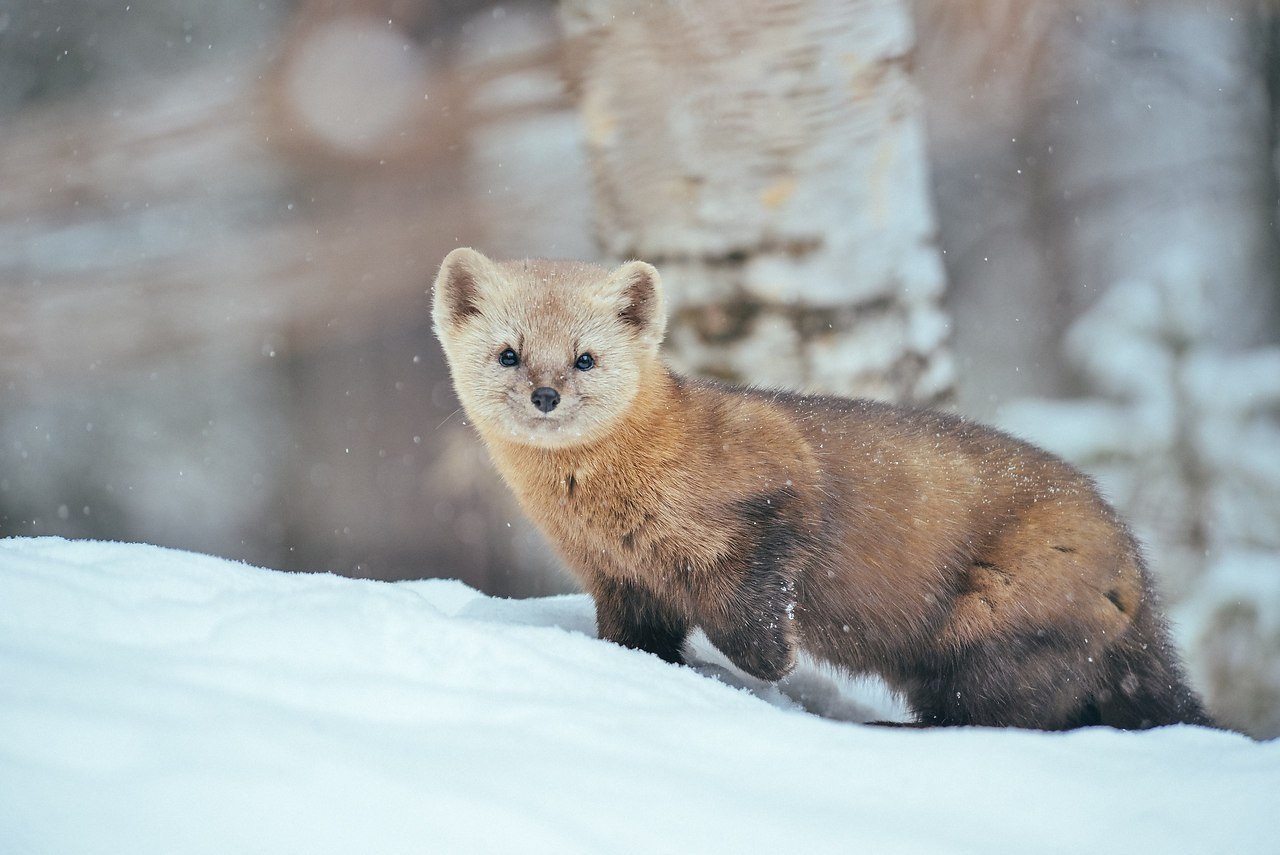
x=1144, y=684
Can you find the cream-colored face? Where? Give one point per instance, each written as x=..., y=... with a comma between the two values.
x=542, y=353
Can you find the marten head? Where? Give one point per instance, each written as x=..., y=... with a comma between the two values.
x=547, y=353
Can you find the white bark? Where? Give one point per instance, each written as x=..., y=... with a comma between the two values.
x=769, y=158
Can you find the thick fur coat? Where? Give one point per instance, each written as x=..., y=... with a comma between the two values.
x=983, y=578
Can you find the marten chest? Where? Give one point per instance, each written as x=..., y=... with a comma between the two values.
x=624, y=525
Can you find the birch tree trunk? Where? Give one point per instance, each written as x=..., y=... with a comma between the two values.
x=769, y=157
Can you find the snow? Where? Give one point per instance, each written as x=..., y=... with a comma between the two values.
x=154, y=701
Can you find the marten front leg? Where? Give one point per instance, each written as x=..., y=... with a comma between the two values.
x=629, y=615
x=750, y=602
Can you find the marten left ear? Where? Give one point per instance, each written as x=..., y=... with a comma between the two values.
x=636, y=290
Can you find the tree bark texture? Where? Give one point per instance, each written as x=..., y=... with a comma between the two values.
x=769, y=157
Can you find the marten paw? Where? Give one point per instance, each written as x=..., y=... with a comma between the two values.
x=765, y=651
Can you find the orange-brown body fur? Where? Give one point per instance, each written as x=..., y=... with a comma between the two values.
x=983, y=578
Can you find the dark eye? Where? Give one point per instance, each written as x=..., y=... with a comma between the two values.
x=585, y=362
x=508, y=358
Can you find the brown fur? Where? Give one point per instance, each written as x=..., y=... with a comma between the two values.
x=981, y=577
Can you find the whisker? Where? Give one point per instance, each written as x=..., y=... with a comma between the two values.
x=446, y=418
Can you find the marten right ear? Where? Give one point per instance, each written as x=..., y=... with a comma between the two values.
x=458, y=286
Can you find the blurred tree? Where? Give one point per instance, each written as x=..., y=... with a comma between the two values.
x=1161, y=215
x=51, y=49
x=1167, y=180
x=1122, y=250
x=769, y=158
x=213, y=263
x=1160, y=143
x=983, y=67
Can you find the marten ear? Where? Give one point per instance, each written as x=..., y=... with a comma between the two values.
x=458, y=287
x=636, y=290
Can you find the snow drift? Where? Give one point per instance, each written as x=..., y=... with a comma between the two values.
x=154, y=701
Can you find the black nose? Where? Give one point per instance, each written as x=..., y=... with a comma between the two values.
x=545, y=398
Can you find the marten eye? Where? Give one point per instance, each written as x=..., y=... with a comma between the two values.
x=508, y=358
x=585, y=362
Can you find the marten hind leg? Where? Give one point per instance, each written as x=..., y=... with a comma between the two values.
x=1042, y=679
x=1051, y=679
x=1033, y=618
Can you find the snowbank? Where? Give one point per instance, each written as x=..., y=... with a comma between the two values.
x=154, y=701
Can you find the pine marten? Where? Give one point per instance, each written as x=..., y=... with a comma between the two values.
x=982, y=578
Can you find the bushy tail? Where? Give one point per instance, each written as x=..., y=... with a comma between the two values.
x=1145, y=685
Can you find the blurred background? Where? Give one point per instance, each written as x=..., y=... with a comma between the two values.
x=219, y=223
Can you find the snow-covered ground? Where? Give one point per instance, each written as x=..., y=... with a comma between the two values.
x=154, y=701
